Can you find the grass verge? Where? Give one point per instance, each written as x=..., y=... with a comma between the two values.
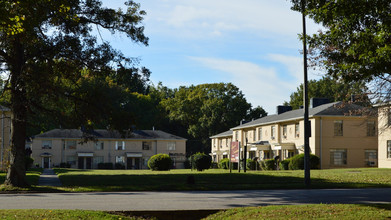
x=32, y=177
x=218, y=179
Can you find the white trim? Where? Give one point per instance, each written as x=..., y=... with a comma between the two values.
x=85, y=154
x=134, y=154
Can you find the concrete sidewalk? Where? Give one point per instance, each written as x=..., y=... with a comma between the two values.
x=49, y=178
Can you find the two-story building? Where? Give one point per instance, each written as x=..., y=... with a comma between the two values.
x=220, y=145
x=384, y=135
x=85, y=150
x=341, y=135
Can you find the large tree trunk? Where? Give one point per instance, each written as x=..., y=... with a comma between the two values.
x=16, y=172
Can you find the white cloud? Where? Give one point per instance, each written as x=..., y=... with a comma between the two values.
x=261, y=86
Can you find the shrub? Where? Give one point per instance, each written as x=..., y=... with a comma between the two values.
x=160, y=162
x=269, y=164
x=297, y=162
x=201, y=161
x=65, y=165
x=105, y=166
x=224, y=163
x=119, y=166
x=28, y=162
x=284, y=165
x=214, y=165
x=187, y=164
x=251, y=164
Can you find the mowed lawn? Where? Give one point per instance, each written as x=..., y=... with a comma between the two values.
x=217, y=179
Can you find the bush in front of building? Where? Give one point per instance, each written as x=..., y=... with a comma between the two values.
x=297, y=162
x=252, y=164
x=268, y=164
x=214, y=165
x=160, y=162
x=119, y=166
x=224, y=163
x=105, y=166
x=200, y=161
x=65, y=165
x=28, y=162
x=284, y=165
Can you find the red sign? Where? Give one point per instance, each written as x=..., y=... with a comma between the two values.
x=235, y=151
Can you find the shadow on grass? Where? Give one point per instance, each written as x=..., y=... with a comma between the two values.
x=379, y=206
x=202, y=181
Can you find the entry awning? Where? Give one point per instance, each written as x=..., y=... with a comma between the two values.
x=85, y=154
x=134, y=154
x=284, y=146
x=260, y=145
x=46, y=154
x=225, y=153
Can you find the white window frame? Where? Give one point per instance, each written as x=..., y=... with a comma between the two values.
x=260, y=134
x=120, y=159
x=147, y=145
x=297, y=130
x=171, y=146
x=338, y=157
x=371, y=128
x=388, y=149
x=273, y=132
x=47, y=144
x=99, y=145
x=120, y=145
x=338, y=128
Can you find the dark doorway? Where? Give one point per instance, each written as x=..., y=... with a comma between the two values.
x=129, y=163
x=88, y=162
x=80, y=164
x=46, y=162
x=136, y=163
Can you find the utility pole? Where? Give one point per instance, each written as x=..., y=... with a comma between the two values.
x=307, y=178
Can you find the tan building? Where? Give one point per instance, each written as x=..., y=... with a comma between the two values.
x=384, y=135
x=220, y=145
x=5, y=136
x=340, y=136
x=104, y=146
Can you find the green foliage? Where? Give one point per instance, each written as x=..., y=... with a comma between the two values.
x=200, y=161
x=297, y=162
x=160, y=162
x=354, y=44
x=284, y=165
x=65, y=165
x=28, y=162
x=330, y=89
x=224, y=163
x=269, y=164
x=251, y=164
x=119, y=166
x=105, y=166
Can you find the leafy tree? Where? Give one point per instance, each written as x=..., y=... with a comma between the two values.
x=255, y=113
x=207, y=109
x=355, y=44
x=331, y=89
x=46, y=47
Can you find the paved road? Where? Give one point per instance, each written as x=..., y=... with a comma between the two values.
x=142, y=201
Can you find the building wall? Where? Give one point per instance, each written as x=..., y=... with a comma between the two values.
x=384, y=134
x=220, y=148
x=60, y=153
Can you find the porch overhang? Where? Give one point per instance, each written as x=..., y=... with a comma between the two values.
x=284, y=146
x=260, y=145
x=85, y=154
x=134, y=154
x=46, y=154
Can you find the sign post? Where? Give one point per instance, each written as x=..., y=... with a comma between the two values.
x=234, y=154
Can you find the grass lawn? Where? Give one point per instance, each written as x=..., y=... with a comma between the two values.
x=322, y=211
x=218, y=179
x=32, y=177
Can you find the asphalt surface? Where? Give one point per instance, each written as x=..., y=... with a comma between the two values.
x=193, y=200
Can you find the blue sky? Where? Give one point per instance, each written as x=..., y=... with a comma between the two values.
x=251, y=43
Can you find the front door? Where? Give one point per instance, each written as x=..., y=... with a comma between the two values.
x=129, y=163
x=46, y=162
x=136, y=163
x=88, y=162
x=80, y=164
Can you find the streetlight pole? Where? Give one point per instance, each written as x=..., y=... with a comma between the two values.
x=307, y=179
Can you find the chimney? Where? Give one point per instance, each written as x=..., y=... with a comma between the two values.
x=315, y=102
x=283, y=108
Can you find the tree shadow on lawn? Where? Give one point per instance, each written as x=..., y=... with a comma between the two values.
x=202, y=181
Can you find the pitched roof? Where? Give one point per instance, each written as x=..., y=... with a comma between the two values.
x=330, y=109
x=108, y=134
x=223, y=134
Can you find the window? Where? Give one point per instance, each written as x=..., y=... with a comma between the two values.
x=71, y=160
x=237, y=135
x=338, y=128
x=338, y=157
x=273, y=132
x=46, y=144
x=120, y=145
x=120, y=159
x=297, y=130
x=284, y=131
x=371, y=128
x=146, y=145
x=260, y=134
x=171, y=146
x=97, y=160
x=70, y=145
x=371, y=158
x=389, y=149
x=99, y=145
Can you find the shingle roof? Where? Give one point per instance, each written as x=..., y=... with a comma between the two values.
x=108, y=134
x=223, y=134
x=330, y=109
